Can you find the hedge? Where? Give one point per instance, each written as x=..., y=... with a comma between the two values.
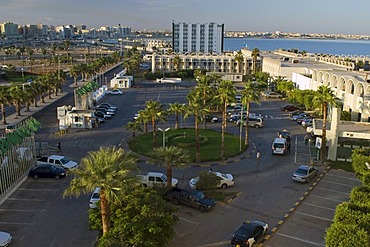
x=346, y=235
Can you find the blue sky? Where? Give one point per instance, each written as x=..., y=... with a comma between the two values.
x=304, y=16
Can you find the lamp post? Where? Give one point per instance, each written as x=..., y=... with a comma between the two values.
x=164, y=135
x=22, y=74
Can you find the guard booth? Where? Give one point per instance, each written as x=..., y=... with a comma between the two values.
x=70, y=117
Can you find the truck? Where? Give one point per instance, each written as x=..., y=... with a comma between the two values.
x=57, y=160
x=190, y=198
x=152, y=179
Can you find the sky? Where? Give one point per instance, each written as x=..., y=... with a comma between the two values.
x=301, y=16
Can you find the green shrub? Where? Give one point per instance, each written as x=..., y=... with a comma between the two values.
x=352, y=214
x=360, y=157
x=207, y=180
x=346, y=235
x=360, y=196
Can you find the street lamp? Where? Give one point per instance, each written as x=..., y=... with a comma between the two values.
x=22, y=74
x=164, y=135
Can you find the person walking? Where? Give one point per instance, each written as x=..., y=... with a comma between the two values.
x=258, y=156
x=59, y=147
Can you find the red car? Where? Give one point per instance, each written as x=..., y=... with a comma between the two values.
x=290, y=108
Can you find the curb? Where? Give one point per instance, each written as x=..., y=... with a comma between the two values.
x=296, y=205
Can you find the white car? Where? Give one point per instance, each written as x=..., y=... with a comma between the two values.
x=5, y=238
x=115, y=92
x=95, y=197
x=271, y=95
x=227, y=180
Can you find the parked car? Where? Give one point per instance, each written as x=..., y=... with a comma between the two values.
x=115, y=92
x=306, y=121
x=47, y=171
x=296, y=112
x=105, y=110
x=95, y=198
x=190, y=198
x=5, y=239
x=108, y=108
x=100, y=119
x=212, y=119
x=101, y=114
x=58, y=160
x=301, y=120
x=304, y=173
x=271, y=95
x=249, y=233
x=136, y=116
x=290, y=107
x=300, y=116
x=226, y=180
x=114, y=107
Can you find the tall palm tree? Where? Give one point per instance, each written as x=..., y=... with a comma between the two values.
x=177, y=62
x=194, y=108
x=133, y=126
x=144, y=118
x=170, y=156
x=255, y=55
x=324, y=97
x=249, y=94
x=204, y=92
x=155, y=110
x=109, y=168
x=239, y=58
x=177, y=109
x=5, y=99
x=225, y=94
x=17, y=97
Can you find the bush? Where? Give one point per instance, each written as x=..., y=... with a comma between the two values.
x=207, y=180
x=347, y=213
x=359, y=159
x=348, y=235
x=360, y=196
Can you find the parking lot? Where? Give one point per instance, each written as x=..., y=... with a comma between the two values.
x=305, y=226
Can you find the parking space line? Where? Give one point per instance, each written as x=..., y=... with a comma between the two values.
x=15, y=223
x=339, y=192
x=221, y=243
x=23, y=199
x=342, y=184
x=299, y=239
x=313, y=216
x=21, y=210
x=189, y=221
x=52, y=190
x=317, y=206
x=330, y=199
x=332, y=175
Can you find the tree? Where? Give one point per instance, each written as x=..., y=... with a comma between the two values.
x=225, y=94
x=249, y=94
x=17, y=97
x=239, y=58
x=75, y=72
x=111, y=169
x=255, y=55
x=177, y=109
x=133, y=126
x=170, y=156
x=5, y=100
x=204, y=92
x=324, y=97
x=155, y=111
x=142, y=218
x=177, y=62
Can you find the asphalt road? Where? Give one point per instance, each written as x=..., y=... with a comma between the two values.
x=37, y=215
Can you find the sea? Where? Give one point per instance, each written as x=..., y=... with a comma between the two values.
x=323, y=46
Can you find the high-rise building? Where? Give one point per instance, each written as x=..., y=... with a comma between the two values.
x=10, y=30
x=205, y=38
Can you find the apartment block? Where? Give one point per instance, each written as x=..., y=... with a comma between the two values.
x=204, y=38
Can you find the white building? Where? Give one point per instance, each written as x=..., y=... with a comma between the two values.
x=205, y=38
x=121, y=80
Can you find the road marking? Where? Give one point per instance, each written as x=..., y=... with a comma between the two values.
x=344, y=193
x=354, y=179
x=15, y=223
x=299, y=239
x=22, y=210
x=222, y=243
x=313, y=216
x=23, y=199
x=52, y=190
x=189, y=221
x=350, y=186
x=330, y=199
x=317, y=206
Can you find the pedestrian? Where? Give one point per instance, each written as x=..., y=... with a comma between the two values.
x=288, y=146
x=258, y=156
x=59, y=147
x=306, y=139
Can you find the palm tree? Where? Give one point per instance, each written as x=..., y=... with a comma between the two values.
x=177, y=109
x=255, y=55
x=112, y=170
x=249, y=94
x=144, y=118
x=170, y=156
x=324, y=97
x=177, y=62
x=5, y=100
x=225, y=94
x=154, y=109
x=204, y=92
x=194, y=108
x=239, y=58
x=17, y=98
x=133, y=126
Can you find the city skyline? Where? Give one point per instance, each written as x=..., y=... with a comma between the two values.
x=330, y=16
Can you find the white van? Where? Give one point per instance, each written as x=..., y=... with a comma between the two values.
x=279, y=146
x=253, y=121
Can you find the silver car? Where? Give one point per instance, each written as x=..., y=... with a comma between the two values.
x=304, y=173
